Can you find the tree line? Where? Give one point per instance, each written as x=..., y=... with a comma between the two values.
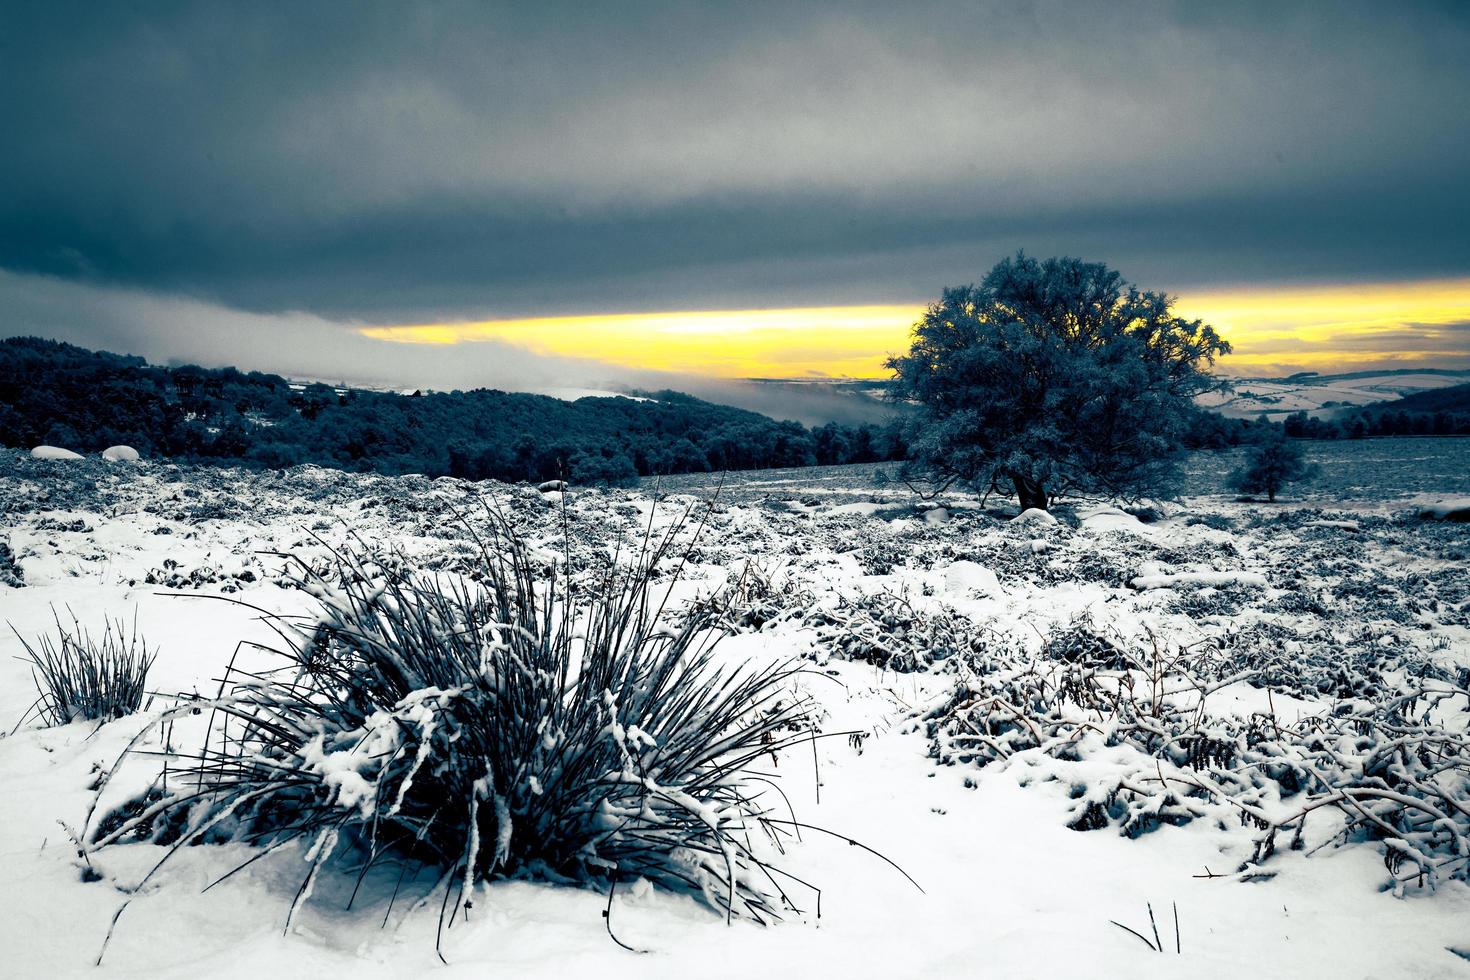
x=1387, y=421
x=60, y=394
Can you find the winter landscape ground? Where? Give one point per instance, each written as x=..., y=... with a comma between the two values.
x=1247, y=721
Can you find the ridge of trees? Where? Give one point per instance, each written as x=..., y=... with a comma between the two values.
x=60, y=394
x=1437, y=412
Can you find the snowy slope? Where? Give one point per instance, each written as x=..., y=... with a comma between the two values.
x=1008, y=888
x=1319, y=394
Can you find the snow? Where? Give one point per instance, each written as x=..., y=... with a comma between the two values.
x=1100, y=519
x=1341, y=525
x=865, y=508
x=1213, y=579
x=1035, y=515
x=574, y=394
x=1008, y=889
x=54, y=452
x=964, y=578
x=1278, y=397
x=1241, y=700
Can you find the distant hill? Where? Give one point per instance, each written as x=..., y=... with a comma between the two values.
x=1455, y=398
x=1326, y=395
x=63, y=395
x=1435, y=412
x=1314, y=377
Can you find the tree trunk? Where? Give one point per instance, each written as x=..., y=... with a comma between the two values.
x=1031, y=493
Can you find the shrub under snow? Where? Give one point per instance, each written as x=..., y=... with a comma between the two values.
x=493, y=726
x=1128, y=727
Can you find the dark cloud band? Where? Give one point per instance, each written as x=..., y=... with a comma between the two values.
x=403, y=163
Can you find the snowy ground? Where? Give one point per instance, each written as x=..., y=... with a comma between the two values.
x=1008, y=888
x=1277, y=398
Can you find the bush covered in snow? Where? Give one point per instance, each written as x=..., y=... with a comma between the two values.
x=54, y=453
x=1131, y=729
x=886, y=629
x=891, y=631
x=493, y=727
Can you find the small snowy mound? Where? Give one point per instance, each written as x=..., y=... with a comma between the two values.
x=53, y=452
x=938, y=515
x=1448, y=510
x=867, y=508
x=966, y=578
x=1352, y=526
x=1163, y=580
x=120, y=454
x=1035, y=515
x=1112, y=519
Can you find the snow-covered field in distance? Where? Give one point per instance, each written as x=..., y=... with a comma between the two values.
x=1354, y=473
x=1321, y=394
x=575, y=394
x=1009, y=888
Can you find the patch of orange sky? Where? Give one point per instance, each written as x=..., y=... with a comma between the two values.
x=1274, y=329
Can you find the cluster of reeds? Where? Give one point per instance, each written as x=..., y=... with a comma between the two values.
x=82, y=678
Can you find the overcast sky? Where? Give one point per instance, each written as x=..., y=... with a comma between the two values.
x=415, y=163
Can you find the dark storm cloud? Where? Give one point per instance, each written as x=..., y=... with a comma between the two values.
x=408, y=163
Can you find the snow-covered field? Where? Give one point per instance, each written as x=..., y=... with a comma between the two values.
x=908, y=616
x=1277, y=398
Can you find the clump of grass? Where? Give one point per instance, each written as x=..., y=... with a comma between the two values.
x=497, y=724
x=81, y=678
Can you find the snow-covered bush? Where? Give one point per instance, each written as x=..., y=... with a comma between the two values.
x=1372, y=598
x=1111, y=566
x=1216, y=522
x=1209, y=602
x=891, y=631
x=1130, y=733
x=496, y=727
x=885, y=629
x=751, y=600
x=80, y=678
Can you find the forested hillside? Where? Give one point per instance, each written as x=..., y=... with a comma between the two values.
x=59, y=394
x=1438, y=412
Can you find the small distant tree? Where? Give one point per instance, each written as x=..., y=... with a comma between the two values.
x=1051, y=378
x=1271, y=465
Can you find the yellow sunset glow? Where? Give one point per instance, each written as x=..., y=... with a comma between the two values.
x=837, y=341
x=1337, y=326
x=1273, y=328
